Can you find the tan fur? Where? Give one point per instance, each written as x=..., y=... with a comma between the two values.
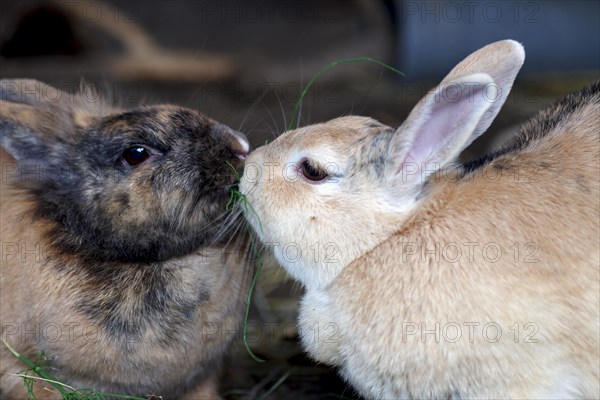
x=389, y=311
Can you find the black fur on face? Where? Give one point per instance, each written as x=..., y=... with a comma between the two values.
x=169, y=205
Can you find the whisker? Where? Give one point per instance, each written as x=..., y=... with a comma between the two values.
x=251, y=109
x=230, y=219
x=365, y=97
x=253, y=129
x=301, y=103
x=228, y=232
x=269, y=129
x=272, y=118
x=285, y=124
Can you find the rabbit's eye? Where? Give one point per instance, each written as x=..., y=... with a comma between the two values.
x=311, y=172
x=135, y=155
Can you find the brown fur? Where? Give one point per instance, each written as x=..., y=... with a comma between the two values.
x=149, y=323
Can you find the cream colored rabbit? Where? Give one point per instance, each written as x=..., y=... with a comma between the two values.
x=429, y=279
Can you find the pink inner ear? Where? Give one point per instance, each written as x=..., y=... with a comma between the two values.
x=431, y=134
x=448, y=114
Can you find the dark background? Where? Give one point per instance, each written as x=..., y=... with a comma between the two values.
x=246, y=62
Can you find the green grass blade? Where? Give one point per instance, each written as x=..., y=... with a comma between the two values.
x=36, y=369
x=249, y=302
x=328, y=67
x=236, y=197
x=235, y=171
x=279, y=382
x=72, y=394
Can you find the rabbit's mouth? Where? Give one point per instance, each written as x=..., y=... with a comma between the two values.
x=241, y=154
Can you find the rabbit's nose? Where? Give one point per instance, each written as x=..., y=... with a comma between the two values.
x=237, y=141
x=239, y=144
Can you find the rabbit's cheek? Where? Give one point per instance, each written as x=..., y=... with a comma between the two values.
x=138, y=197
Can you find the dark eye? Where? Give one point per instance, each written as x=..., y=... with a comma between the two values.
x=135, y=155
x=311, y=172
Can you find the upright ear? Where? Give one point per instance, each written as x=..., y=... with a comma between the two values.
x=37, y=120
x=454, y=113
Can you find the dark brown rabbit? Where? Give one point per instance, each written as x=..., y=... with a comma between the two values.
x=111, y=263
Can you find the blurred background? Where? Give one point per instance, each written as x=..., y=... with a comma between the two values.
x=245, y=63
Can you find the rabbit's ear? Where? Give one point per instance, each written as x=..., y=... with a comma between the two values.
x=502, y=61
x=456, y=112
x=32, y=92
x=36, y=119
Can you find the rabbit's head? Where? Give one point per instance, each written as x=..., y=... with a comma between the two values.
x=324, y=194
x=142, y=185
